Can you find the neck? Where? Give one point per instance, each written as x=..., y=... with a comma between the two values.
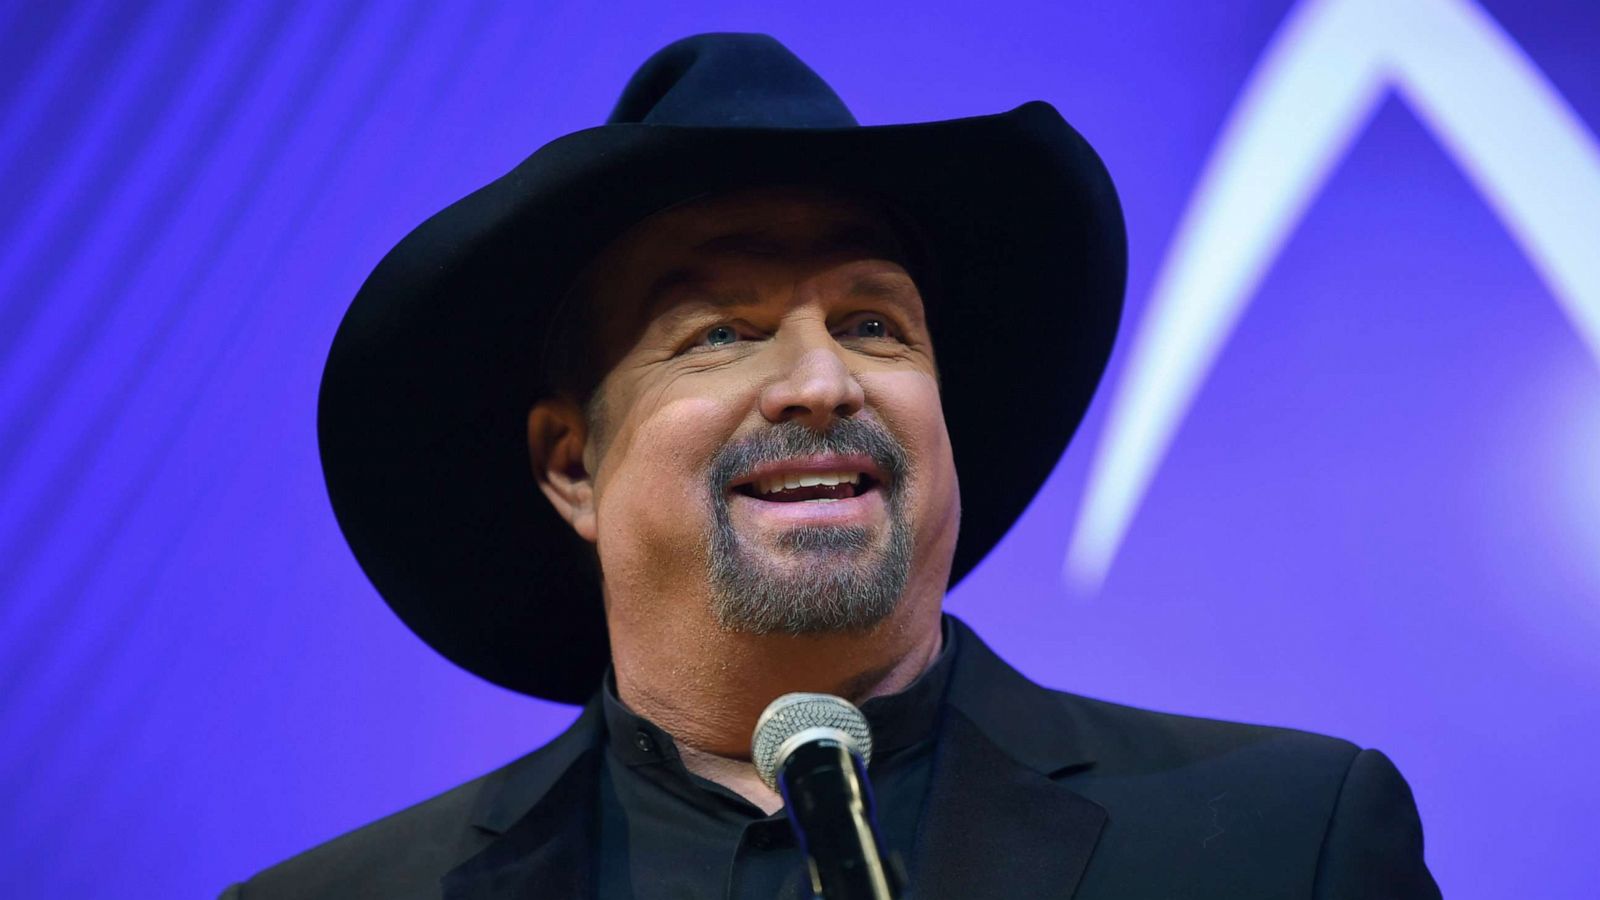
x=709, y=697
x=709, y=700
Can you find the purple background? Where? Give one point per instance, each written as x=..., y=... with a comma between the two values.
x=1380, y=518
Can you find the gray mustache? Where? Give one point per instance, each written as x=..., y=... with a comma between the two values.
x=788, y=440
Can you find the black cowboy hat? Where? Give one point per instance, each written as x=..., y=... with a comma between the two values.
x=422, y=414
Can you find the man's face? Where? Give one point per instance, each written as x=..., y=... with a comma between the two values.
x=768, y=450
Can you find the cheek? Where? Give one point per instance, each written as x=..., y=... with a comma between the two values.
x=908, y=403
x=651, y=494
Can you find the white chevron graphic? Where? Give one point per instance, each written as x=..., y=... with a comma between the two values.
x=1310, y=97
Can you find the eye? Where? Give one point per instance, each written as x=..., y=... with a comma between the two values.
x=725, y=334
x=870, y=326
x=719, y=335
x=734, y=333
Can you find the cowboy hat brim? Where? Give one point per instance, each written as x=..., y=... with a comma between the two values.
x=424, y=399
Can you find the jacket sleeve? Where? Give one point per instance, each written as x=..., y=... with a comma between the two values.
x=1373, y=846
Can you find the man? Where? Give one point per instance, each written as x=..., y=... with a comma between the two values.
x=670, y=420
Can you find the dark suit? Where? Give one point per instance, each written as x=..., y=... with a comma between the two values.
x=1035, y=793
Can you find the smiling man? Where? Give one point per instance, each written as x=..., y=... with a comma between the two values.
x=764, y=469
x=713, y=403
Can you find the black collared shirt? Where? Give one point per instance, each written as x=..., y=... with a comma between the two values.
x=666, y=832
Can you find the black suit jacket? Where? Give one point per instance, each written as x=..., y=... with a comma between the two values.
x=1035, y=793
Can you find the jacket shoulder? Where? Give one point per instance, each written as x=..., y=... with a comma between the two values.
x=1128, y=739
x=1230, y=809
x=400, y=855
x=406, y=853
x=1251, y=810
x=1053, y=730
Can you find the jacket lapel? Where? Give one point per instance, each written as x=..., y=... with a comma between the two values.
x=544, y=816
x=993, y=794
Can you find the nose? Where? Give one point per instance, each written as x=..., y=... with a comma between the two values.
x=814, y=386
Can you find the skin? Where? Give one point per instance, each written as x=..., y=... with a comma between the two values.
x=720, y=318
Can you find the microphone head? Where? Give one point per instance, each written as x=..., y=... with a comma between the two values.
x=794, y=719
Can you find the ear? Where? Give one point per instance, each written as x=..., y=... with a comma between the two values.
x=557, y=433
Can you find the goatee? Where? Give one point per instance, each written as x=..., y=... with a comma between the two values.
x=850, y=582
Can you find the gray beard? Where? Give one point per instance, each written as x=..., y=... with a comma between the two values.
x=838, y=581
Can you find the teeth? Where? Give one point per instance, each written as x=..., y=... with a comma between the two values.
x=788, y=482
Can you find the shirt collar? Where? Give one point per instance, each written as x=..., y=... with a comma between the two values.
x=898, y=720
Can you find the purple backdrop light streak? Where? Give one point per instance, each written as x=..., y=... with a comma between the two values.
x=1378, y=516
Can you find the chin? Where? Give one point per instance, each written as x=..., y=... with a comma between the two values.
x=826, y=582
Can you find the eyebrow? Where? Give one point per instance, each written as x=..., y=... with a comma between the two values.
x=886, y=285
x=655, y=299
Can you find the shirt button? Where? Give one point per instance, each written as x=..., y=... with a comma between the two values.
x=643, y=742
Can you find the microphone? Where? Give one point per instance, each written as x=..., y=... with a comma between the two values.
x=814, y=749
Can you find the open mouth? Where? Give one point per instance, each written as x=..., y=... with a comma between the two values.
x=801, y=487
